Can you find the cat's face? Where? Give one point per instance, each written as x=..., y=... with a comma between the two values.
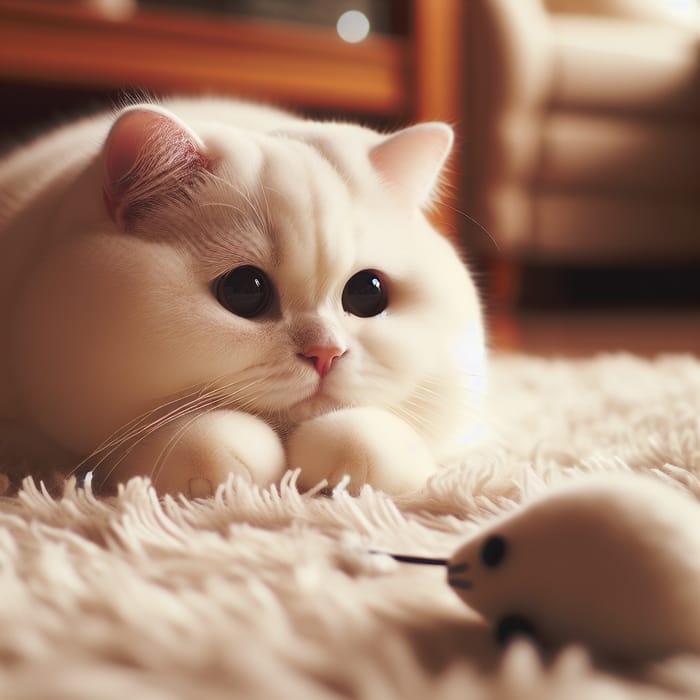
x=279, y=274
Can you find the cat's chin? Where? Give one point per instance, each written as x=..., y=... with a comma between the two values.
x=315, y=405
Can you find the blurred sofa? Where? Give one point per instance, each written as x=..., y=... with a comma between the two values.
x=581, y=129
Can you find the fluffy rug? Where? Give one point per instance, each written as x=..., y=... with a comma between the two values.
x=269, y=593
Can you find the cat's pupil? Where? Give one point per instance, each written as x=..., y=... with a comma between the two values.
x=365, y=294
x=245, y=291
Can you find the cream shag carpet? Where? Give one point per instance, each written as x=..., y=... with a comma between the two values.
x=268, y=593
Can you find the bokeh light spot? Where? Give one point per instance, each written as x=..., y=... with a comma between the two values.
x=353, y=26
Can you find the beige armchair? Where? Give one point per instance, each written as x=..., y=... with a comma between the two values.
x=582, y=129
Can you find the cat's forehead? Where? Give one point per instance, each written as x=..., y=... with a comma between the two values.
x=290, y=200
x=330, y=158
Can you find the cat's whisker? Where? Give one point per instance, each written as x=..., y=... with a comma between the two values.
x=424, y=390
x=413, y=417
x=253, y=209
x=196, y=390
x=131, y=441
x=263, y=220
x=223, y=205
x=172, y=443
x=196, y=410
x=202, y=396
x=176, y=437
x=229, y=187
x=268, y=212
x=133, y=428
x=119, y=435
x=479, y=225
x=225, y=184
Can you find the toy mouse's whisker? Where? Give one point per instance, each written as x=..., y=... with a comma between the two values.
x=407, y=559
x=458, y=568
x=460, y=583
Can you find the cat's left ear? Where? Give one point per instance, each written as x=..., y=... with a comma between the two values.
x=150, y=158
x=411, y=160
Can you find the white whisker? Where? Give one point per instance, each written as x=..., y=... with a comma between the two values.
x=203, y=403
x=178, y=435
x=132, y=428
x=135, y=443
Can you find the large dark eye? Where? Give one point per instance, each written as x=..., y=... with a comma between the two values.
x=365, y=294
x=245, y=291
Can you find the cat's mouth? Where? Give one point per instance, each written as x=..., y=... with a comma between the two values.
x=316, y=404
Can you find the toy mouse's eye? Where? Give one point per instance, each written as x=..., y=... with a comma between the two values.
x=493, y=551
x=245, y=291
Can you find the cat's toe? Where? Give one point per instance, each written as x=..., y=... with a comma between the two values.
x=199, y=487
x=370, y=446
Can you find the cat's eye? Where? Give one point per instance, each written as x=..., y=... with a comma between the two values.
x=245, y=291
x=365, y=294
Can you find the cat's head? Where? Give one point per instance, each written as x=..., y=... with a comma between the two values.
x=285, y=273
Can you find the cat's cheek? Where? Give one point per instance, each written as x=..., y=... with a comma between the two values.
x=400, y=349
x=94, y=341
x=53, y=357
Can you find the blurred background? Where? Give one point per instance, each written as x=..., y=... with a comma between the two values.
x=574, y=192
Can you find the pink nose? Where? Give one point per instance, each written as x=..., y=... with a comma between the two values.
x=323, y=357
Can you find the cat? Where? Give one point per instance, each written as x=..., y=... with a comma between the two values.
x=195, y=287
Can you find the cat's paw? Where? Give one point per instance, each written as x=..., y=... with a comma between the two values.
x=368, y=445
x=193, y=456
x=612, y=563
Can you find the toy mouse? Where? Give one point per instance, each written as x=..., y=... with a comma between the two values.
x=612, y=563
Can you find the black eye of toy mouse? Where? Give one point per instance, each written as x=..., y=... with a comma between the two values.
x=493, y=551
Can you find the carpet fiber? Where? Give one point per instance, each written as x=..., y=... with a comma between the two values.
x=269, y=593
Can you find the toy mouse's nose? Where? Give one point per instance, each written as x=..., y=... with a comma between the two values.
x=323, y=357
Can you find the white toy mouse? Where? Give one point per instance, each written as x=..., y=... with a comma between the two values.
x=612, y=563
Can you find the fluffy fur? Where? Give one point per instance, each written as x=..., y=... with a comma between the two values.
x=116, y=356
x=265, y=593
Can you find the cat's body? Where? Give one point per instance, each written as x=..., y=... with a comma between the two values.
x=200, y=287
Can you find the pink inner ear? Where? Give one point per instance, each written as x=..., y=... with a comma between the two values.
x=148, y=152
x=126, y=140
x=411, y=160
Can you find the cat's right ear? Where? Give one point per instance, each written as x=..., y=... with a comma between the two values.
x=149, y=158
x=411, y=160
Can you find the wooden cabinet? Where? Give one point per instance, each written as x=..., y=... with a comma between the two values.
x=403, y=76
x=49, y=47
x=49, y=42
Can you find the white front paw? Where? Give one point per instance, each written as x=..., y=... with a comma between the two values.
x=194, y=455
x=369, y=445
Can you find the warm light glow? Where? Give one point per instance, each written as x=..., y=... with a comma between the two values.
x=353, y=26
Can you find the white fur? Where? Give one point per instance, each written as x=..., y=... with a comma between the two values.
x=115, y=350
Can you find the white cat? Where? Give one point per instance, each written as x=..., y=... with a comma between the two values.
x=202, y=287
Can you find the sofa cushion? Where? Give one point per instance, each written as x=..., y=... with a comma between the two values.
x=680, y=12
x=604, y=153
x=625, y=66
x=594, y=228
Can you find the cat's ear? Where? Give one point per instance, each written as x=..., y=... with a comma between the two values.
x=410, y=160
x=149, y=158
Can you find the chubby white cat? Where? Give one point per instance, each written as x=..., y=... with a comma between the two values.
x=198, y=287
